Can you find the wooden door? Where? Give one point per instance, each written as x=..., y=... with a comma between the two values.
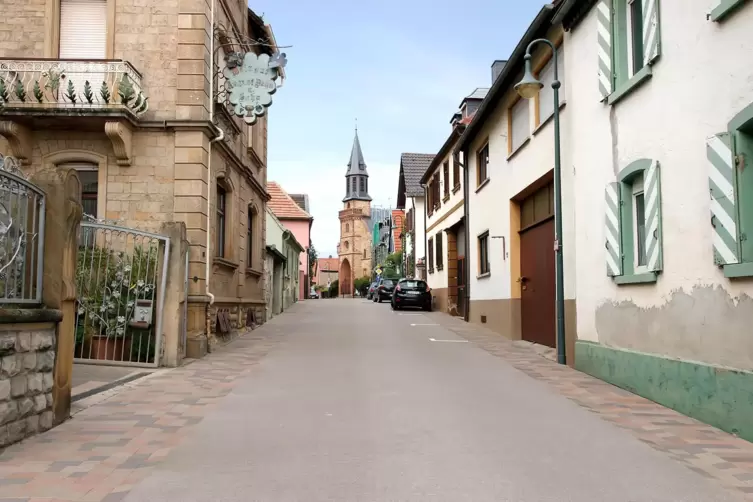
x=461, y=286
x=538, y=283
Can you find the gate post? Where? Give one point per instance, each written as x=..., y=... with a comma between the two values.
x=63, y=212
x=175, y=294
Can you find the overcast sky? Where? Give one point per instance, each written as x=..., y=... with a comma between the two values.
x=400, y=67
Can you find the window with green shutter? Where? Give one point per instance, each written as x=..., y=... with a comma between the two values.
x=730, y=155
x=633, y=230
x=629, y=43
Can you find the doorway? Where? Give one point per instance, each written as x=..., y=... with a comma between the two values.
x=537, y=267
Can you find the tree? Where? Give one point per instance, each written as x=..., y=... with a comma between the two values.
x=312, y=259
x=334, y=288
x=362, y=284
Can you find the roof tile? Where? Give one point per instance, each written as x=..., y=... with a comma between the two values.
x=414, y=165
x=283, y=206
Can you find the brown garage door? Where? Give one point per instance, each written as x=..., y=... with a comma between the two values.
x=537, y=268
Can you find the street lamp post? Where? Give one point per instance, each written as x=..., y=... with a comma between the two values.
x=528, y=88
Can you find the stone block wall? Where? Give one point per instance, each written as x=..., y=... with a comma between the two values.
x=27, y=359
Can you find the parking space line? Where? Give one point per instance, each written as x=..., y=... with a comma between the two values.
x=449, y=341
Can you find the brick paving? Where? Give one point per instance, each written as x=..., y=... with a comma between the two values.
x=106, y=449
x=702, y=448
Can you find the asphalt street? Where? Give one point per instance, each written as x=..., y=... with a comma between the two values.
x=359, y=403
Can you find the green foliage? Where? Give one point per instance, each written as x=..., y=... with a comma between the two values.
x=20, y=91
x=125, y=90
x=109, y=283
x=144, y=105
x=104, y=91
x=70, y=92
x=362, y=284
x=38, y=94
x=3, y=91
x=88, y=95
x=313, y=256
x=334, y=288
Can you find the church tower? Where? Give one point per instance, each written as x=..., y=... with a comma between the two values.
x=354, y=249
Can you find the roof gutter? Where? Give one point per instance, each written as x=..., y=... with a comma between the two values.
x=502, y=83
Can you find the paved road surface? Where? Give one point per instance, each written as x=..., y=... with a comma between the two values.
x=357, y=404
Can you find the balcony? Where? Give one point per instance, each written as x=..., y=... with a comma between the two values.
x=48, y=86
x=88, y=95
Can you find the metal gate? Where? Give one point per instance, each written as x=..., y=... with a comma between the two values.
x=121, y=276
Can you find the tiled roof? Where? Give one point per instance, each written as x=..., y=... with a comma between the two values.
x=413, y=167
x=301, y=199
x=329, y=264
x=283, y=206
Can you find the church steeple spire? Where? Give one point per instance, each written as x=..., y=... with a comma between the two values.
x=356, y=178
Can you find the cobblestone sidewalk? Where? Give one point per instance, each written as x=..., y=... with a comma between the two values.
x=702, y=448
x=106, y=449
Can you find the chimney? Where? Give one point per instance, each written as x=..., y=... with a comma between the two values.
x=497, y=67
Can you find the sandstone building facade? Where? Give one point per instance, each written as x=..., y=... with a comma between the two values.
x=128, y=94
x=354, y=249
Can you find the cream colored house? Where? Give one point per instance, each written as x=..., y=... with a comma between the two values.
x=445, y=215
x=127, y=93
x=283, y=253
x=509, y=147
x=661, y=134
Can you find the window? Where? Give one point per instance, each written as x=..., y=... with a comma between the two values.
x=635, y=35
x=431, y=255
x=482, y=162
x=437, y=197
x=353, y=185
x=629, y=42
x=221, y=206
x=446, y=174
x=483, y=254
x=89, y=190
x=545, y=98
x=519, y=125
x=250, y=239
x=77, y=42
x=633, y=224
x=731, y=188
x=347, y=245
x=363, y=184
x=440, y=252
x=455, y=171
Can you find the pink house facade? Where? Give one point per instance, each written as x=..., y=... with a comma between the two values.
x=299, y=222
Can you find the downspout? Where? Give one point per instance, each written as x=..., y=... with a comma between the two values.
x=219, y=137
x=467, y=239
x=426, y=237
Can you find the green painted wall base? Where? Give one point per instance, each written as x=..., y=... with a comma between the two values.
x=718, y=396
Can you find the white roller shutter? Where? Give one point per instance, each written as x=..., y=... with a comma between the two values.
x=83, y=35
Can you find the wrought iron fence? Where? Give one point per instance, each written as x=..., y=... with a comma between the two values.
x=121, y=276
x=22, y=216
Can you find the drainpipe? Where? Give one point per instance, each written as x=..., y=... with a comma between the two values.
x=220, y=136
x=426, y=236
x=467, y=239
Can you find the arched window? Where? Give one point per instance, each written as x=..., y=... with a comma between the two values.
x=88, y=173
x=364, y=255
x=347, y=245
x=348, y=205
x=347, y=227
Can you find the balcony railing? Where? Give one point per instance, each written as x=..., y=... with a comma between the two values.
x=68, y=84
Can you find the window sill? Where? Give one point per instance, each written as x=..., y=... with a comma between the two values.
x=518, y=148
x=724, y=9
x=455, y=189
x=254, y=272
x=225, y=263
x=547, y=120
x=483, y=184
x=647, y=278
x=626, y=88
x=440, y=268
x=738, y=270
x=446, y=198
x=484, y=275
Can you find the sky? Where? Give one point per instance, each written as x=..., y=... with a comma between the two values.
x=400, y=68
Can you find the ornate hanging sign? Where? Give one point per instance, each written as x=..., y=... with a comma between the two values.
x=251, y=83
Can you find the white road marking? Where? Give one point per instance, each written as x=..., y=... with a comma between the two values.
x=424, y=324
x=449, y=341
x=413, y=313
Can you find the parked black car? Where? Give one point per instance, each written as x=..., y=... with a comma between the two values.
x=384, y=289
x=411, y=293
